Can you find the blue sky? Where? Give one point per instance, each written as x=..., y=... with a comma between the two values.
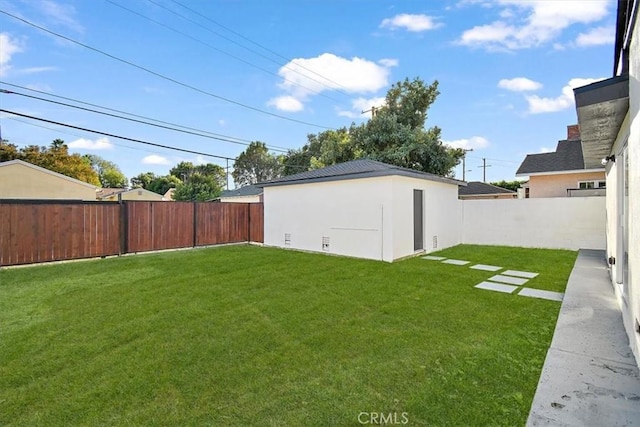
x=505, y=69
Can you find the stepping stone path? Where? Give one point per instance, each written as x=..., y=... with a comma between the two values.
x=486, y=267
x=508, y=281
x=490, y=286
x=455, y=262
x=537, y=293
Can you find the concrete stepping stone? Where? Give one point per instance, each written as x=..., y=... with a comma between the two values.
x=434, y=258
x=499, y=287
x=517, y=273
x=508, y=279
x=537, y=293
x=455, y=262
x=486, y=267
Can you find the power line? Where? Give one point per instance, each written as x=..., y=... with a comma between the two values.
x=129, y=119
x=162, y=76
x=247, y=141
x=139, y=141
x=237, y=58
x=265, y=48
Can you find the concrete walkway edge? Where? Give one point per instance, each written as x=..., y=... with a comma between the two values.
x=589, y=377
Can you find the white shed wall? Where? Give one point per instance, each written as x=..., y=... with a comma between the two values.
x=442, y=215
x=555, y=223
x=353, y=214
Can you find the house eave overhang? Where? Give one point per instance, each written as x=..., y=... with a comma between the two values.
x=369, y=174
x=600, y=168
x=601, y=109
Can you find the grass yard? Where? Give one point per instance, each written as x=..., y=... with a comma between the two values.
x=244, y=335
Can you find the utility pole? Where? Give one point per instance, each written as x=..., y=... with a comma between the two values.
x=464, y=165
x=227, y=174
x=484, y=169
x=374, y=111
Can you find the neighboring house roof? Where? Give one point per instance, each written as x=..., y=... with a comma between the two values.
x=104, y=193
x=362, y=168
x=567, y=157
x=247, y=190
x=481, y=188
x=47, y=171
x=169, y=194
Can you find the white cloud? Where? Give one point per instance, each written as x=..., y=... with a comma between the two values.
x=475, y=142
x=597, y=36
x=388, y=62
x=410, y=22
x=87, y=144
x=154, y=159
x=304, y=77
x=539, y=105
x=8, y=47
x=221, y=122
x=359, y=105
x=519, y=84
x=61, y=14
x=34, y=70
x=526, y=24
x=286, y=103
x=546, y=150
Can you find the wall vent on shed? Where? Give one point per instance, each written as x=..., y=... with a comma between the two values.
x=325, y=243
x=435, y=242
x=287, y=239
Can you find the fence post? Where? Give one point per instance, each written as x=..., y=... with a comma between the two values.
x=195, y=223
x=124, y=226
x=248, y=222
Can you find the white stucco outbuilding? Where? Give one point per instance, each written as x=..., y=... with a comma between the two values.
x=362, y=208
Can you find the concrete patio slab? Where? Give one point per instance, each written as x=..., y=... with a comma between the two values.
x=486, y=267
x=537, y=293
x=455, y=262
x=499, y=287
x=508, y=279
x=525, y=274
x=433, y=258
x=589, y=377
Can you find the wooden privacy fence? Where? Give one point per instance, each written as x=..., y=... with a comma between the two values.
x=40, y=231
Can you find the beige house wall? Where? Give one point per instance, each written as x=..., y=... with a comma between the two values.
x=557, y=185
x=19, y=181
x=136, y=194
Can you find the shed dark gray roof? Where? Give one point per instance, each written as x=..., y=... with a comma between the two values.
x=567, y=157
x=477, y=187
x=361, y=168
x=247, y=190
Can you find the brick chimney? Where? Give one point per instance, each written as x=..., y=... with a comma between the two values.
x=573, y=132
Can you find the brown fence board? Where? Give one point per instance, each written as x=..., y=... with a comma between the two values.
x=256, y=222
x=219, y=223
x=41, y=231
x=159, y=225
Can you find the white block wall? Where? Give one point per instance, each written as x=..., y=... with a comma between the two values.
x=560, y=223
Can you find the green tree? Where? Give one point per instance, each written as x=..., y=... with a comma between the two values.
x=256, y=164
x=109, y=173
x=396, y=135
x=143, y=180
x=162, y=184
x=55, y=158
x=199, y=188
x=509, y=185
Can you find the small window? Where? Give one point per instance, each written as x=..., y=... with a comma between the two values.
x=591, y=184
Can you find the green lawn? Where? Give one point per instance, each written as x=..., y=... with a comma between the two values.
x=244, y=335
